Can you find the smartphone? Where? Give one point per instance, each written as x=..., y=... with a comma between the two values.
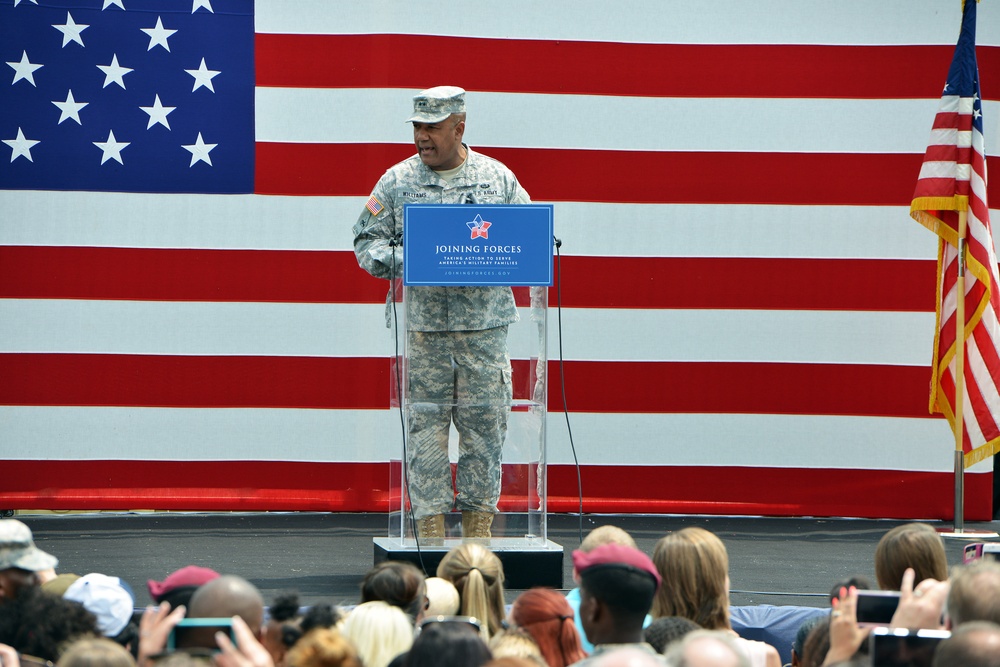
x=981, y=550
x=199, y=633
x=898, y=647
x=876, y=608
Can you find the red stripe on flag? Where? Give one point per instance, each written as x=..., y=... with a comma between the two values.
x=765, y=491
x=305, y=169
x=167, y=274
x=935, y=187
x=365, y=487
x=747, y=283
x=950, y=120
x=364, y=383
x=177, y=381
x=553, y=66
x=568, y=174
x=987, y=349
x=734, y=387
x=943, y=153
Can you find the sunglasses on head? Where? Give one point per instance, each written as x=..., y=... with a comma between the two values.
x=471, y=621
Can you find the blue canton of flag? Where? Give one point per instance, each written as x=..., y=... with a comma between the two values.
x=127, y=95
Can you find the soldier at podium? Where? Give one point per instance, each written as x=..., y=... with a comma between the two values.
x=459, y=367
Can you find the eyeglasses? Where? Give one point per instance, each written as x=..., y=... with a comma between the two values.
x=34, y=661
x=471, y=621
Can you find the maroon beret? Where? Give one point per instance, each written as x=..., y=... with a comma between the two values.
x=615, y=555
x=192, y=575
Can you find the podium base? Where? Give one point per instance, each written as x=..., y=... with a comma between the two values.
x=524, y=564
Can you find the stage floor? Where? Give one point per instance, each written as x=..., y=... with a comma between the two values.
x=775, y=561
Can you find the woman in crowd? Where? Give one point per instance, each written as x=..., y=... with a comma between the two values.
x=448, y=643
x=516, y=643
x=379, y=632
x=322, y=647
x=96, y=652
x=442, y=597
x=399, y=584
x=477, y=574
x=42, y=625
x=694, y=566
x=915, y=545
x=548, y=618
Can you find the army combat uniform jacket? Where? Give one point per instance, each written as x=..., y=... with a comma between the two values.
x=482, y=180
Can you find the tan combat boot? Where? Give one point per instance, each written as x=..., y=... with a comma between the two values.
x=431, y=527
x=476, y=525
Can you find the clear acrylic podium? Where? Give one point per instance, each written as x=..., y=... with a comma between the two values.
x=519, y=533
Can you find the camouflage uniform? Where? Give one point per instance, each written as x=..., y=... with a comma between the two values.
x=459, y=368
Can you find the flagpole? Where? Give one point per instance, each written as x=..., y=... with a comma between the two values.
x=960, y=376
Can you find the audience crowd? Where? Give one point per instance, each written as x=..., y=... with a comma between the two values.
x=628, y=608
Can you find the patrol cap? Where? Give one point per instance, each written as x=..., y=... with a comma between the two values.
x=435, y=104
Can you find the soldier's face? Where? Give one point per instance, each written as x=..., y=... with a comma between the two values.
x=440, y=144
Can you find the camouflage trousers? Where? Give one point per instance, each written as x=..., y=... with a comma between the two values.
x=465, y=377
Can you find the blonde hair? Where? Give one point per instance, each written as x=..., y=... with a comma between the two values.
x=517, y=643
x=694, y=565
x=606, y=535
x=477, y=574
x=442, y=597
x=96, y=652
x=379, y=632
x=322, y=647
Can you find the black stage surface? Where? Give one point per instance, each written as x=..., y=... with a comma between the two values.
x=775, y=561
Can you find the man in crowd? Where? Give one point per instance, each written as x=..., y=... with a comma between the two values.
x=617, y=585
x=20, y=559
x=975, y=593
x=972, y=644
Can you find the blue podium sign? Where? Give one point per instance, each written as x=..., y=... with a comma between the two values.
x=471, y=244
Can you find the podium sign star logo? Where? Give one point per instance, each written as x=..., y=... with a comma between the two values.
x=479, y=227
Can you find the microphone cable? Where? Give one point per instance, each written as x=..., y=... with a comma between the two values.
x=562, y=385
x=398, y=376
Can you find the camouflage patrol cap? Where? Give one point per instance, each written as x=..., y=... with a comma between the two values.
x=435, y=104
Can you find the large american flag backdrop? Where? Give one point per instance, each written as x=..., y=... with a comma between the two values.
x=747, y=306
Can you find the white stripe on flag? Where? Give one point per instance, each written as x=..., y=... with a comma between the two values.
x=288, y=329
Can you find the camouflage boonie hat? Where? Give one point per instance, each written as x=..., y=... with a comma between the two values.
x=435, y=104
x=17, y=548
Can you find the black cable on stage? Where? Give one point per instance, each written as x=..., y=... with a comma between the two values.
x=399, y=396
x=562, y=384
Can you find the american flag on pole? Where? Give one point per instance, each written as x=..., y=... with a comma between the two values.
x=952, y=179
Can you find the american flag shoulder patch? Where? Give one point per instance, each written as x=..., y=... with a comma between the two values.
x=374, y=205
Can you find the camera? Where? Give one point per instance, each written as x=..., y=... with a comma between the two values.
x=876, y=607
x=897, y=647
x=199, y=633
